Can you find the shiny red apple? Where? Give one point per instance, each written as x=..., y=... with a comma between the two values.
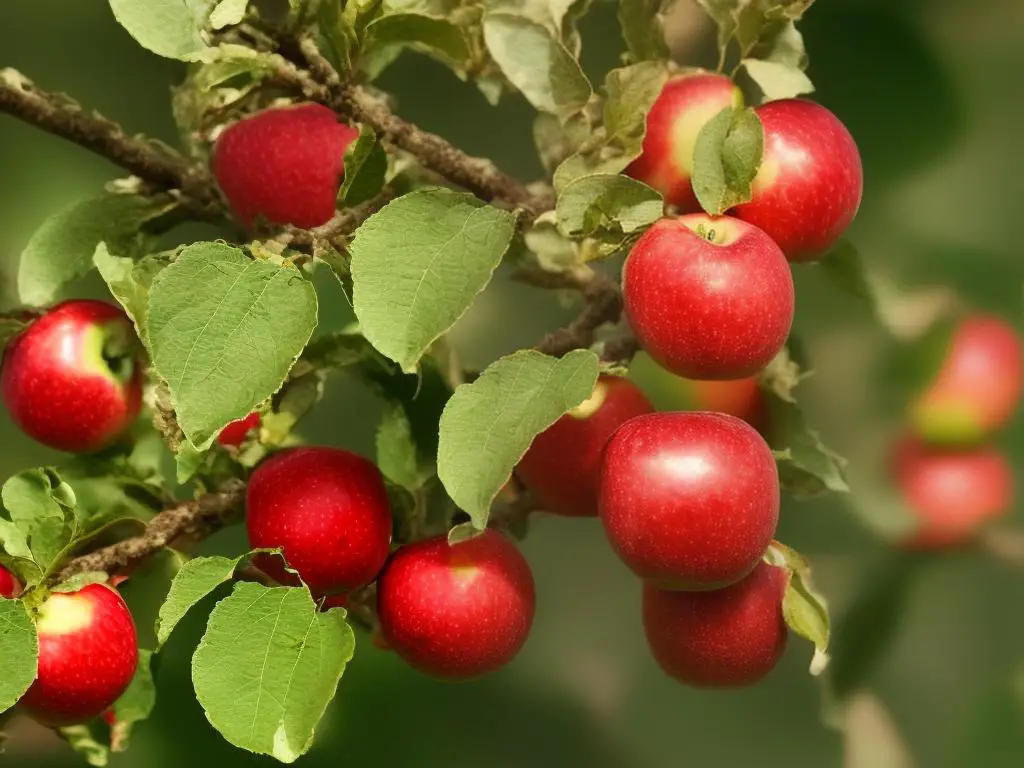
x=562, y=465
x=88, y=654
x=73, y=379
x=457, y=611
x=977, y=387
x=951, y=493
x=809, y=186
x=9, y=586
x=234, y=434
x=708, y=297
x=685, y=104
x=328, y=511
x=284, y=164
x=689, y=500
x=727, y=638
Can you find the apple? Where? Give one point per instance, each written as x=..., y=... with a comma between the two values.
x=809, y=186
x=284, y=164
x=728, y=638
x=951, y=493
x=328, y=511
x=689, y=500
x=708, y=297
x=88, y=654
x=234, y=434
x=741, y=398
x=977, y=386
x=73, y=379
x=457, y=611
x=562, y=464
x=685, y=104
x=9, y=586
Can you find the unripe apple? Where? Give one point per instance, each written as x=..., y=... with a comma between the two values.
x=685, y=104
x=284, y=164
x=809, y=186
x=977, y=387
x=951, y=493
x=689, y=500
x=9, y=586
x=728, y=638
x=88, y=654
x=73, y=379
x=708, y=297
x=457, y=611
x=327, y=509
x=561, y=467
x=234, y=434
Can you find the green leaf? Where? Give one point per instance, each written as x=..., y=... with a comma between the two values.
x=397, y=455
x=81, y=580
x=777, y=80
x=41, y=509
x=642, y=29
x=11, y=327
x=61, y=250
x=169, y=28
x=845, y=268
x=726, y=158
x=224, y=331
x=536, y=63
x=135, y=704
x=129, y=282
x=228, y=13
x=803, y=607
x=489, y=424
x=609, y=204
x=366, y=164
x=752, y=24
x=268, y=666
x=82, y=739
x=417, y=265
x=195, y=580
x=19, y=651
x=440, y=38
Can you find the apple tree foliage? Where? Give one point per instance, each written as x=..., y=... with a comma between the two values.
x=230, y=326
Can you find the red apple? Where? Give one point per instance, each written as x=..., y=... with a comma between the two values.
x=682, y=108
x=457, y=611
x=708, y=298
x=327, y=509
x=810, y=183
x=9, y=586
x=977, y=387
x=234, y=434
x=73, y=379
x=951, y=493
x=689, y=500
x=728, y=638
x=284, y=164
x=741, y=398
x=87, y=655
x=562, y=465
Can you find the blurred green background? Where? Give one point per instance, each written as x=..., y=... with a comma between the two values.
x=931, y=91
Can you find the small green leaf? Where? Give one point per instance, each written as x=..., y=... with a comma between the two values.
x=224, y=330
x=19, y=651
x=41, y=509
x=11, y=327
x=81, y=580
x=438, y=37
x=228, y=13
x=61, y=250
x=777, y=80
x=642, y=29
x=397, y=456
x=726, y=159
x=135, y=704
x=366, y=164
x=268, y=666
x=417, y=265
x=752, y=24
x=489, y=424
x=197, y=578
x=169, y=28
x=536, y=63
x=82, y=739
x=607, y=203
x=803, y=607
x=187, y=461
x=845, y=268
x=129, y=282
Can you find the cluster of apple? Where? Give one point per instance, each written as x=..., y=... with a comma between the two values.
x=952, y=480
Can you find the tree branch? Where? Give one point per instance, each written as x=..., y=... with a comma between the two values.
x=603, y=304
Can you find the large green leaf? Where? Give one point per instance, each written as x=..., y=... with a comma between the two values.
x=642, y=29
x=170, y=28
x=19, y=650
x=224, y=331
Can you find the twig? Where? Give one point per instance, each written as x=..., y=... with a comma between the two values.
x=341, y=225
x=603, y=305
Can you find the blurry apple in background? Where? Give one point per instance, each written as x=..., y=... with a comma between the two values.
x=234, y=434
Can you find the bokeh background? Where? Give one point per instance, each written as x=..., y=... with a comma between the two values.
x=931, y=91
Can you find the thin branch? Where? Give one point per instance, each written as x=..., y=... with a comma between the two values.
x=603, y=304
x=343, y=223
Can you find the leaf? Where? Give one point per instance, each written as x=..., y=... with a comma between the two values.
x=11, y=327
x=135, y=704
x=365, y=167
x=228, y=13
x=536, y=63
x=488, y=425
x=41, y=509
x=195, y=580
x=169, y=28
x=439, y=37
x=82, y=739
x=807, y=468
x=777, y=80
x=81, y=580
x=642, y=29
x=607, y=203
x=726, y=158
x=845, y=268
x=752, y=23
x=397, y=456
x=224, y=331
x=267, y=667
x=803, y=607
x=129, y=282
x=417, y=265
x=19, y=650
x=61, y=250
